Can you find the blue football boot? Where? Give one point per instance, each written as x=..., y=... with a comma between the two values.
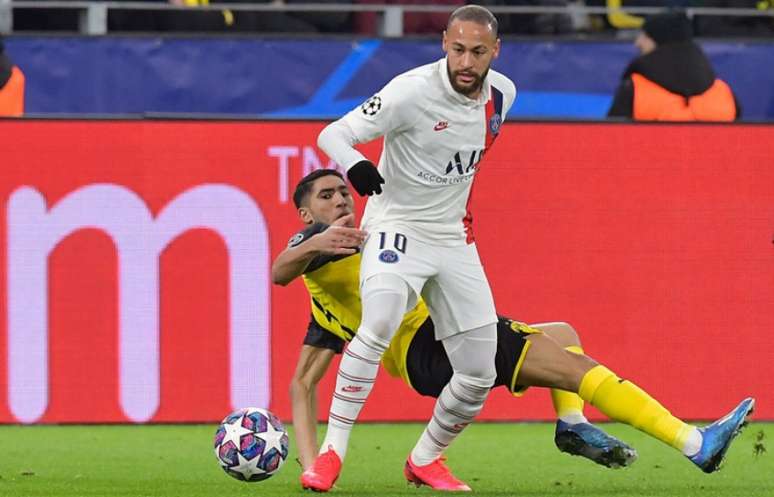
x=586, y=440
x=717, y=437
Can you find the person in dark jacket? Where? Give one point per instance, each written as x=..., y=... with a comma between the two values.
x=672, y=79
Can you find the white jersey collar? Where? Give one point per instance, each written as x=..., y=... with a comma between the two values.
x=482, y=99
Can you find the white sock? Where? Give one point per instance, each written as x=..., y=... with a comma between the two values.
x=357, y=373
x=471, y=355
x=573, y=417
x=693, y=443
x=455, y=408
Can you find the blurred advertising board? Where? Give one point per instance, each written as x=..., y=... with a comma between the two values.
x=136, y=262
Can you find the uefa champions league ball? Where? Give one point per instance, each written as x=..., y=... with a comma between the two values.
x=251, y=444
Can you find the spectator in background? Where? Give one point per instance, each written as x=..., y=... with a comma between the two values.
x=11, y=87
x=672, y=79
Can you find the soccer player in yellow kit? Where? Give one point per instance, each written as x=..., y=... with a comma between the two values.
x=547, y=355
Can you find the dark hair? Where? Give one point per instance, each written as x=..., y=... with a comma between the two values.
x=304, y=187
x=474, y=13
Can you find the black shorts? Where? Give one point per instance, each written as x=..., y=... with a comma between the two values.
x=429, y=369
x=319, y=337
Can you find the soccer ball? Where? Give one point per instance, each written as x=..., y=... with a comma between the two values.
x=251, y=444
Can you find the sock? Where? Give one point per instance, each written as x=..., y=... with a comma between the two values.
x=357, y=373
x=624, y=401
x=568, y=405
x=458, y=404
x=472, y=357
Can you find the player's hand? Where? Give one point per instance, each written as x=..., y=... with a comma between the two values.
x=348, y=221
x=365, y=178
x=339, y=240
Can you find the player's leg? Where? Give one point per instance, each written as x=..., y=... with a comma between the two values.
x=624, y=401
x=547, y=364
x=384, y=298
x=568, y=405
x=387, y=290
x=462, y=308
x=320, y=345
x=313, y=363
x=471, y=355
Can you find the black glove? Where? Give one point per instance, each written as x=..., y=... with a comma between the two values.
x=365, y=178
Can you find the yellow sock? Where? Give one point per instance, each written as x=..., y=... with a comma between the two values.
x=568, y=405
x=624, y=401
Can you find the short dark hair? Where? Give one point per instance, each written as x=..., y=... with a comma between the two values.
x=474, y=13
x=304, y=187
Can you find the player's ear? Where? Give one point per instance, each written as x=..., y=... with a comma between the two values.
x=444, y=43
x=496, y=51
x=306, y=215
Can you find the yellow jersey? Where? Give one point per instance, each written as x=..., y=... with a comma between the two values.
x=333, y=283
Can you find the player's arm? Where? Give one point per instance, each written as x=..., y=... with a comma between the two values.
x=392, y=109
x=313, y=363
x=315, y=241
x=320, y=345
x=292, y=262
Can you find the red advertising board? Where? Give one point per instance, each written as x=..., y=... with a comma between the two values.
x=135, y=262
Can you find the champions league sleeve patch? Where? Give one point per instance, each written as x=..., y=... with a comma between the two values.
x=296, y=239
x=372, y=105
x=306, y=234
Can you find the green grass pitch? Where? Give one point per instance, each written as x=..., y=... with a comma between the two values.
x=495, y=459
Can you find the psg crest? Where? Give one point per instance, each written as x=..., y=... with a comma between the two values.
x=388, y=256
x=494, y=123
x=372, y=105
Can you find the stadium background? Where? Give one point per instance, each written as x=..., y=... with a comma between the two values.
x=661, y=256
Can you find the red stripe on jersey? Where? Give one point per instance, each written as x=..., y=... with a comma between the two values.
x=492, y=122
x=467, y=221
x=494, y=115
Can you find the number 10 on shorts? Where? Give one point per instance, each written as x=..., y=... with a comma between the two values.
x=398, y=242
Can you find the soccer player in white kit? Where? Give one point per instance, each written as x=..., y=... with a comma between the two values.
x=438, y=122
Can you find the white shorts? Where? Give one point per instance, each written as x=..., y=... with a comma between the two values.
x=451, y=280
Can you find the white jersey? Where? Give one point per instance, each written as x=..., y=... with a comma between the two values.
x=434, y=140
